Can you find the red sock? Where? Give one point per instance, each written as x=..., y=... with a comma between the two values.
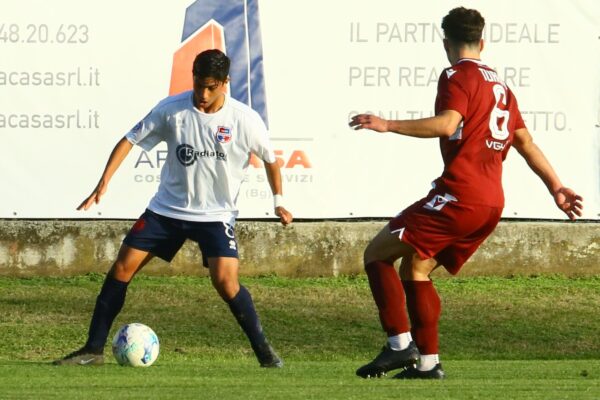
x=388, y=293
x=424, y=308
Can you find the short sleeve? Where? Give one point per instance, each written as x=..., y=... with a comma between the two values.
x=259, y=142
x=451, y=95
x=516, y=113
x=147, y=133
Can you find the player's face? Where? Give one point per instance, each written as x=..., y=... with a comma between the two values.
x=208, y=93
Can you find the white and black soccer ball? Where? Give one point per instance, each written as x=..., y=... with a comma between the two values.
x=135, y=345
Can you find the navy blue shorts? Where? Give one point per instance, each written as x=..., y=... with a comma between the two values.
x=163, y=237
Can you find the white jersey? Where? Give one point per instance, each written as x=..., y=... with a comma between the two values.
x=208, y=155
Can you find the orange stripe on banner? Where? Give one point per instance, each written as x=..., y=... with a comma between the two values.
x=210, y=36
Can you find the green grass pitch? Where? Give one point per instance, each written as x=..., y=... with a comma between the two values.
x=500, y=338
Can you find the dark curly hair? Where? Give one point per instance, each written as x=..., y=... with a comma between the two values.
x=463, y=25
x=211, y=64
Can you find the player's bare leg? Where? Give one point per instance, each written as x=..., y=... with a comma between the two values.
x=424, y=309
x=129, y=262
x=108, y=305
x=224, y=273
x=386, y=246
x=400, y=350
x=224, y=277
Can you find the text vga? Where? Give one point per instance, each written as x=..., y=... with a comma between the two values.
x=492, y=144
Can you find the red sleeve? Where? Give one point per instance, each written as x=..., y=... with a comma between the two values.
x=451, y=94
x=519, y=123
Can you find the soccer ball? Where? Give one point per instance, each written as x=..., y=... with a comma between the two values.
x=135, y=345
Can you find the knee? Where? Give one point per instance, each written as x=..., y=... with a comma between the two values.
x=227, y=288
x=416, y=269
x=121, y=271
x=370, y=256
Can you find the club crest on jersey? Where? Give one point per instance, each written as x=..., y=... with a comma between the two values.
x=438, y=202
x=223, y=134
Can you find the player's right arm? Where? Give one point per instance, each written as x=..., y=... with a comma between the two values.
x=565, y=198
x=451, y=105
x=442, y=125
x=114, y=161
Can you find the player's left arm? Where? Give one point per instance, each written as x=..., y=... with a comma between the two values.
x=274, y=178
x=565, y=198
x=442, y=125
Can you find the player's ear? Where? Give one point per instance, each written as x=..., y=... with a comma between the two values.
x=481, y=45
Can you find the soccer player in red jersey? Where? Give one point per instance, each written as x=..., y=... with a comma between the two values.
x=477, y=120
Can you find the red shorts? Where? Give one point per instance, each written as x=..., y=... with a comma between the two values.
x=440, y=227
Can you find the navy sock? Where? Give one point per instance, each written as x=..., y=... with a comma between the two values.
x=108, y=304
x=242, y=308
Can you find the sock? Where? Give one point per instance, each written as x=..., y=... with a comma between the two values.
x=427, y=362
x=108, y=304
x=424, y=308
x=388, y=294
x=242, y=308
x=399, y=342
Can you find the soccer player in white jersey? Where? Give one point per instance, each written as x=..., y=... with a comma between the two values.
x=210, y=137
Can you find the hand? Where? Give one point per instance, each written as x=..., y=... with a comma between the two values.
x=284, y=215
x=368, y=121
x=569, y=202
x=94, y=197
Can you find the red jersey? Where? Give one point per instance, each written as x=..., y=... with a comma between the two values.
x=473, y=156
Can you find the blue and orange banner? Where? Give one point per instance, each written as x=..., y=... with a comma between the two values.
x=234, y=28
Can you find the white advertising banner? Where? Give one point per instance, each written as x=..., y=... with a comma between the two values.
x=75, y=76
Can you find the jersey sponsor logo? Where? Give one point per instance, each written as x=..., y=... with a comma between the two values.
x=223, y=134
x=188, y=155
x=492, y=144
x=234, y=28
x=438, y=202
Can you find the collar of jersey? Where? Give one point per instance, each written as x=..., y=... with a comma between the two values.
x=471, y=60
x=209, y=114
